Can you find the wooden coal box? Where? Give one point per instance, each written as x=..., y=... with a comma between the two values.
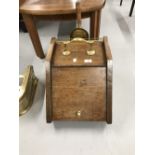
x=79, y=80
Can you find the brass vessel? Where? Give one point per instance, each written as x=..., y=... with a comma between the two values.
x=27, y=88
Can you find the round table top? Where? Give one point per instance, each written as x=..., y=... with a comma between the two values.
x=52, y=7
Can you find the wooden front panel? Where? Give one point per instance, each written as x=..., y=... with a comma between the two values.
x=79, y=90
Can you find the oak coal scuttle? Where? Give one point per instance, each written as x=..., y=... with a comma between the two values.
x=79, y=80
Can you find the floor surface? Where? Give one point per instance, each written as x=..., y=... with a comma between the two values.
x=84, y=138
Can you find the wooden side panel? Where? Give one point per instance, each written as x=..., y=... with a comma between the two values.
x=79, y=93
x=48, y=94
x=48, y=80
x=109, y=91
x=109, y=80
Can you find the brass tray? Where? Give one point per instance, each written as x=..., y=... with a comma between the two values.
x=27, y=88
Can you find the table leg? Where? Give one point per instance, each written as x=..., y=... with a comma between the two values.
x=98, y=24
x=121, y=2
x=132, y=6
x=95, y=24
x=22, y=26
x=31, y=27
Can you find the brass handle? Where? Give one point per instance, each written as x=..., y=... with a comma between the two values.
x=82, y=40
x=89, y=52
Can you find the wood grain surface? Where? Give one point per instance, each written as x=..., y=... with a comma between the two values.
x=79, y=89
x=52, y=7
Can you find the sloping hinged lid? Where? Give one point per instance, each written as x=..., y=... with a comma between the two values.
x=77, y=54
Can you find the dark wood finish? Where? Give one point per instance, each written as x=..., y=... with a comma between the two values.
x=48, y=80
x=71, y=88
x=108, y=80
x=59, y=10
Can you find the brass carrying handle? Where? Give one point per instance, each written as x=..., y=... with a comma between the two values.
x=77, y=39
x=82, y=40
x=89, y=52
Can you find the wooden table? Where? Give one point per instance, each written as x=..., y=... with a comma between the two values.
x=33, y=10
